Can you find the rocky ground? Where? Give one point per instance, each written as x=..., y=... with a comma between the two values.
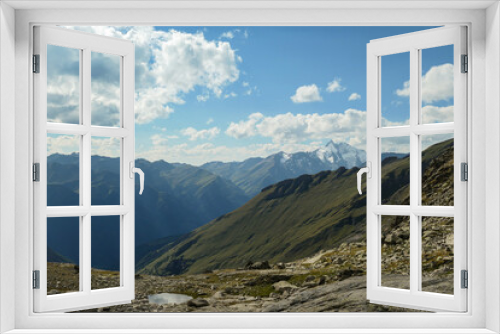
x=330, y=281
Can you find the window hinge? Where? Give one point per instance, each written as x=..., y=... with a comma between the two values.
x=36, y=279
x=465, y=279
x=36, y=63
x=465, y=64
x=36, y=172
x=464, y=171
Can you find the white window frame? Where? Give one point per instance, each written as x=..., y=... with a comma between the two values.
x=414, y=43
x=483, y=101
x=85, y=43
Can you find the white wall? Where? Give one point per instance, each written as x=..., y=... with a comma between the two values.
x=7, y=162
x=492, y=165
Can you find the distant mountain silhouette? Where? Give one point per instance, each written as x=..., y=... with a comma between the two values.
x=177, y=198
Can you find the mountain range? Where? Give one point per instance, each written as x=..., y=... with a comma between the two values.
x=254, y=174
x=295, y=218
x=178, y=198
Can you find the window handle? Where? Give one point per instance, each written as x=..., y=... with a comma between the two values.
x=368, y=171
x=141, y=176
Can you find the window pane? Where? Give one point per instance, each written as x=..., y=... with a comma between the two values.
x=106, y=170
x=105, y=252
x=63, y=170
x=395, y=89
x=395, y=170
x=437, y=170
x=63, y=255
x=105, y=89
x=437, y=84
x=63, y=85
x=395, y=258
x=437, y=254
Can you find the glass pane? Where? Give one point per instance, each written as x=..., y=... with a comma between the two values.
x=437, y=254
x=105, y=88
x=63, y=85
x=395, y=266
x=105, y=252
x=437, y=84
x=105, y=170
x=395, y=89
x=63, y=170
x=437, y=170
x=395, y=170
x=63, y=255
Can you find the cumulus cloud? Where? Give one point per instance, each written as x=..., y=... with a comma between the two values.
x=63, y=144
x=210, y=121
x=63, y=85
x=194, y=134
x=107, y=147
x=170, y=64
x=437, y=84
x=228, y=95
x=433, y=114
x=227, y=34
x=202, y=153
x=335, y=86
x=354, y=97
x=244, y=129
x=291, y=128
x=202, y=98
x=307, y=94
x=158, y=140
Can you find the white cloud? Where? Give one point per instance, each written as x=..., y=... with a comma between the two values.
x=162, y=129
x=170, y=64
x=210, y=121
x=432, y=114
x=437, y=84
x=107, y=147
x=202, y=153
x=158, y=139
x=244, y=129
x=202, y=98
x=354, y=97
x=245, y=84
x=288, y=128
x=227, y=34
x=228, y=95
x=194, y=134
x=63, y=144
x=335, y=86
x=308, y=93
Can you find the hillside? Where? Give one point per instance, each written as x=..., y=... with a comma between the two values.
x=296, y=218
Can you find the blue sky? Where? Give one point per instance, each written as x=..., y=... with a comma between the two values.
x=229, y=93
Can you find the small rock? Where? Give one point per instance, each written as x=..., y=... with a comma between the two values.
x=309, y=284
x=280, y=265
x=197, y=302
x=219, y=295
x=283, y=286
x=310, y=278
x=274, y=295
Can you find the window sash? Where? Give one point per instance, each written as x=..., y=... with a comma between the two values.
x=414, y=297
x=85, y=298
